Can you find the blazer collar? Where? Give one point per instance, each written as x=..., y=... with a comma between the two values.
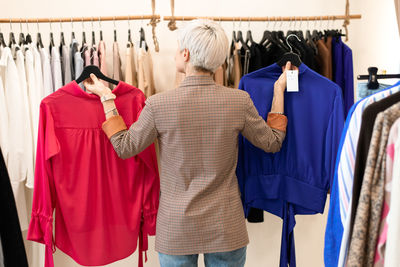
x=194, y=80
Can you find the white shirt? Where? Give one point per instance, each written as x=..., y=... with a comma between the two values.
x=37, y=93
x=3, y=119
x=34, y=102
x=17, y=161
x=56, y=68
x=46, y=71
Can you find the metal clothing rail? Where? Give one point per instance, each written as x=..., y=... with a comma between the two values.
x=78, y=19
x=245, y=19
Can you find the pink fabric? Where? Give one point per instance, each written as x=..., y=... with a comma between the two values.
x=102, y=60
x=95, y=57
x=87, y=56
x=103, y=203
x=379, y=260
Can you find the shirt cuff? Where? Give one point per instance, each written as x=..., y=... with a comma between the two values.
x=113, y=125
x=277, y=121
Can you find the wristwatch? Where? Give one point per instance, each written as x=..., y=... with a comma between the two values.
x=108, y=96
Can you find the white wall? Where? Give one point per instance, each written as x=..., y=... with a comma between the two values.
x=374, y=40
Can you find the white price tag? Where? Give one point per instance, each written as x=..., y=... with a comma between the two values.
x=292, y=80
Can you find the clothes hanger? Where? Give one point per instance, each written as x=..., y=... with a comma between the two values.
x=129, y=34
x=240, y=38
x=101, y=32
x=249, y=37
x=143, y=39
x=28, y=39
x=96, y=71
x=39, y=42
x=21, y=39
x=12, y=37
x=62, y=39
x=93, y=36
x=290, y=56
x=115, y=31
x=72, y=31
x=51, y=36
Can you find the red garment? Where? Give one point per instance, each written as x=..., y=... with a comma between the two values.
x=103, y=203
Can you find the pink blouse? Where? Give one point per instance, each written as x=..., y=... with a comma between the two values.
x=103, y=204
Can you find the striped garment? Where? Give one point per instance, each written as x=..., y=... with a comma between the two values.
x=338, y=225
x=197, y=126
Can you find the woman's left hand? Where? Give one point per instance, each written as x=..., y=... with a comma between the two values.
x=95, y=86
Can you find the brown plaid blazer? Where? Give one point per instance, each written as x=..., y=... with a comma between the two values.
x=197, y=126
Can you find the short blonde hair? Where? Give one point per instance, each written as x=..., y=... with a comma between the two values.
x=207, y=44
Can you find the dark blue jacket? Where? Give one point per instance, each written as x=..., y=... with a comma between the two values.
x=296, y=179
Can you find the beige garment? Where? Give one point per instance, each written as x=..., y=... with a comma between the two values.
x=145, y=73
x=369, y=210
x=130, y=70
x=234, y=67
x=397, y=8
x=117, y=74
x=197, y=126
x=101, y=50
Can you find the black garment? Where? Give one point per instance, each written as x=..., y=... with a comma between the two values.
x=10, y=231
x=367, y=125
x=245, y=60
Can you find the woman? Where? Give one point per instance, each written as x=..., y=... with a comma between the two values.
x=197, y=126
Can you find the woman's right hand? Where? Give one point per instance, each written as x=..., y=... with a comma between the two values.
x=95, y=86
x=280, y=84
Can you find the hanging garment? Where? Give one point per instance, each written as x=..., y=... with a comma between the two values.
x=193, y=197
x=65, y=66
x=56, y=68
x=1, y=255
x=323, y=59
x=94, y=56
x=363, y=90
x=87, y=55
x=100, y=199
x=18, y=134
x=117, y=74
x=145, y=73
x=367, y=125
x=79, y=63
x=234, y=67
x=328, y=44
x=46, y=71
x=72, y=50
x=38, y=93
x=392, y=256
x=25, y=123
x=12, y=244
x=296, y=179
x=338, y=224
x=102, y=60
x=245, y=60
x=3, y=119
x=130, y=70
x=379, y=260
x=342, y=66
x=366, y=225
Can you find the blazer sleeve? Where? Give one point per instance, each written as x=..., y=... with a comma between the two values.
x=267, y=136
x=129, y=143
x=41, y=224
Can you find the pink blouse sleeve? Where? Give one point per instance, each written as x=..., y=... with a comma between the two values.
x=41, y=224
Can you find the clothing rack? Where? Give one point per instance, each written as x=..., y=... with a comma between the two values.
x=373, y=77
x=245, y=19
x=78, y=19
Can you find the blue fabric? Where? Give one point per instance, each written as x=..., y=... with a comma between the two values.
x=342, y=68
x=235, y=258
x=363, y=91
x=296, y=179
x=334, y=224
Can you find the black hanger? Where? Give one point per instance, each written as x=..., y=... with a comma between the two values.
x=96, y=71
x=290, y=56
x=62, y=39
x=39, y=42
x=115, y=35
x=21, y=40
x=101, y=35
x=234, y=38
x=51, y=40
x=129, y=36
x=93, y=39
x=12, y=39
x=249, y=37
x=240, y=39
x=28, y=39
x=83, y=38
x=72, y=35
x=143, y=39
x=373, y=77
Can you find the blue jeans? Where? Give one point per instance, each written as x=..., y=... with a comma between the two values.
x=235, y=258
